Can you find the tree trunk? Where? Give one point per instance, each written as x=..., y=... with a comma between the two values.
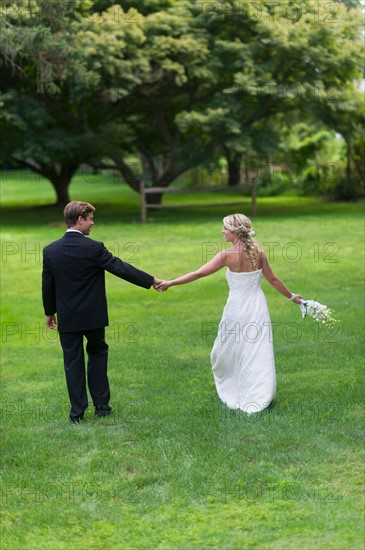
x=253, y=197
x=234, y=169
x=61, y=181
x=154, y=198
x=59, y=174
x=128, y=173
x=347, y=183
x=348, y=190
x=269, y=175
x=61, y=187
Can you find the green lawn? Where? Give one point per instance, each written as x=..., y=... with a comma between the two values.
x=172, y=468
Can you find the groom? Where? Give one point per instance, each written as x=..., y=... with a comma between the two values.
x=73, y=287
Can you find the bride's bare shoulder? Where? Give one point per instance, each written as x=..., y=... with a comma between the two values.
x=230, y=252
x=235, y=259
x=233, y=254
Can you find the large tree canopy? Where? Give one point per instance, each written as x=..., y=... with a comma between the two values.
x=177, y=83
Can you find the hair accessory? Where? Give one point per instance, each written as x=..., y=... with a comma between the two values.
x=248, y=233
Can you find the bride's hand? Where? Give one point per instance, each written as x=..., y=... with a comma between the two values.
x=297, y=299
x=164, y=285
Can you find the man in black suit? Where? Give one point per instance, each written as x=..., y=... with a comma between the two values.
x=73, y=287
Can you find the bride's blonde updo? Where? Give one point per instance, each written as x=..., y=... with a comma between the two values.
x=241, y=226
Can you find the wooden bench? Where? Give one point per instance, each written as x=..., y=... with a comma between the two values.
x=153, y=190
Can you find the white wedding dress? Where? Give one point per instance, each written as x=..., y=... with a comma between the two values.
x=242, y=357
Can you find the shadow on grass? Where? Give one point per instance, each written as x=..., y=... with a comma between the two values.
x=128, y=212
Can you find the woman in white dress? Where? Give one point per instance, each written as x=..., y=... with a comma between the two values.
x=242, y=357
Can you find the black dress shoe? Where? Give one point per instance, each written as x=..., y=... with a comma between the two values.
x=103, y=410
x=76, y=419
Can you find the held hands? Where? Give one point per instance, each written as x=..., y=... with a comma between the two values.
x=156, y=282
x=160, y=285
x=164, y=285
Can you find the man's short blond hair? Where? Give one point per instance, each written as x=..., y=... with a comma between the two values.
x=75, y=209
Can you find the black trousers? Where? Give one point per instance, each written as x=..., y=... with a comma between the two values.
x=74, y=362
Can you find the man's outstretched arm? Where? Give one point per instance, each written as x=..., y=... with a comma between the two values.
x=125, y=271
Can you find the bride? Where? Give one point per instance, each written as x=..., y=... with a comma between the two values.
x=242, y=357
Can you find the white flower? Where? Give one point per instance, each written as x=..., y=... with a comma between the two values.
x=250, y=233
x=319, y=312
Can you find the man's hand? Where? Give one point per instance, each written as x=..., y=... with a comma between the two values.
x=51, y=322
x=164, y=285
x=156, y=283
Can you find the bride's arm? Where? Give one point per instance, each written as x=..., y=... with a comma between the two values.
x=210, y=267
x=275, y=281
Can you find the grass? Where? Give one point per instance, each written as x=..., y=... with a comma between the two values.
x=172, y=468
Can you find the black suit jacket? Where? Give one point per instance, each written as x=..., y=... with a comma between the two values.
x=73, y=281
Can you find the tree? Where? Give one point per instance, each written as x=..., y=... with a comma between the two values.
x=39, y=124
x=189, y=107
x=56, y=111
x=280, y=62
x=178, y=66
x=178, y=86
x=348, y=120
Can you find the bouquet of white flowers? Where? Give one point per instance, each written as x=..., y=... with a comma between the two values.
x=319, y=313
